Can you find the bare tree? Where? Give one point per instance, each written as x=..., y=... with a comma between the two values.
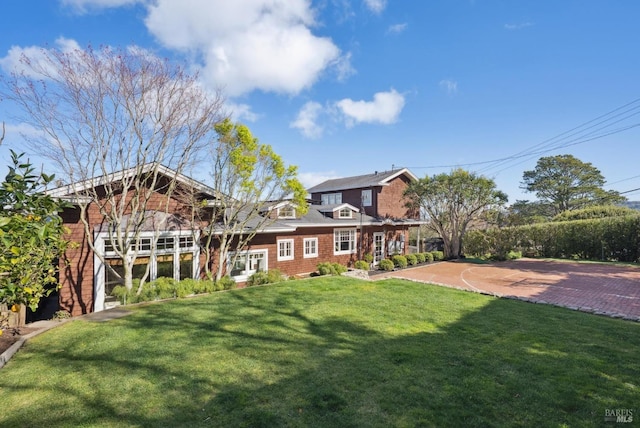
x=113, y=122
x=251, y=178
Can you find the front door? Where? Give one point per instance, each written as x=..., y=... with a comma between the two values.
x=378, y=247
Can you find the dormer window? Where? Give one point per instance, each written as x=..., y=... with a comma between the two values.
x=345, y=213
x=287, y=211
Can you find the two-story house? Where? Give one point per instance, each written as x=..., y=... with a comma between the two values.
x=347, y=218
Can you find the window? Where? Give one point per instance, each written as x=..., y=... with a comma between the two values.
x=366, y=198
x=345, y=213
x=285, y=249
x=186, y=266
x=310, y=247
x=287, y=212
x=331, y=198
x=247, y=264
x=164, y=243
x=111, y=246
x=164, y=266
x=344, y=241
x=112, y=279
x=186, y=241
x=144, y=244
x=174, y=257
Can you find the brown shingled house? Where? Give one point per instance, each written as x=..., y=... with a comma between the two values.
x=347, y=218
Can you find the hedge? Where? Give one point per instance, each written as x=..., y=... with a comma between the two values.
x=611, y=238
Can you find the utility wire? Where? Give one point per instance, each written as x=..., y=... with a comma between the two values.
x=559, y=141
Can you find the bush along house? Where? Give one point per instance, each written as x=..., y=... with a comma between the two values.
x=158, y=237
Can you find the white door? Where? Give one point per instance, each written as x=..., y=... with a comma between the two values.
x=378, y=247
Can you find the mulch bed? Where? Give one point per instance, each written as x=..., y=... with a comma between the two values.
x=12, y=335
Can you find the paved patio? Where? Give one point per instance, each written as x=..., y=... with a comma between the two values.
x=590, y=287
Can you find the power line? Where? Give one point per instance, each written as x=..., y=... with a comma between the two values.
x=560, y=140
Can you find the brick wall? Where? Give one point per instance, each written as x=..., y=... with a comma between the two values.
x=390, y=199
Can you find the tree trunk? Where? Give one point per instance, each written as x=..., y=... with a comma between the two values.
x=221, y=257
x=128, y=275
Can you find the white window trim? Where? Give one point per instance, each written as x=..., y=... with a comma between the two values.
x=100, y=254
x=327, y=198
x=345, y=210
x=367, y=200
x=284, y=209
x=353, y=233
x=243, y=278
x=288, y=242
x=304, y=248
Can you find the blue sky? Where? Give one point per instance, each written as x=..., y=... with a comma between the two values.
x=343, y=88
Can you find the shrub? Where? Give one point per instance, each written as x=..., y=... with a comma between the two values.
x=368, y=257
x=386, y=264
x=513, y=255
x=361, y=264
x=162, y=288
x=340, y=269
x=325, y=268
x=600, y=211
x=258, y=278
x=328, y=268
x=225, y=283
x=120, y=292
x=412, y=259
x=261, y=278
x=201, y=286
x=399, y=261
x=184, y=288
x=61, y=315
x=420, y=258
x=437, y=255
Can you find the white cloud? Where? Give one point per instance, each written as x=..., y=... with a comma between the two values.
x=343, y=67
x=307, y=120
x=397, y=28
x=17, y=132
x=376, y=6
x=246, y=45
x=12, y=62
x=84, y=6
x=240, y=112
x=310, y=179
x=449, y=85
x=385, y=108
x=519, y=26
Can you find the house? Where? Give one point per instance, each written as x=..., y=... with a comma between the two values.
x=347, y=218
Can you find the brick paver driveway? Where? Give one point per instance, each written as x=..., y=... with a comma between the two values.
x=590, y=287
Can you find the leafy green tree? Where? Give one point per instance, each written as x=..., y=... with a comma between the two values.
x=526, y=212
x=451, y=202
x=31, y=236
x=246, y=173
x=566, y=183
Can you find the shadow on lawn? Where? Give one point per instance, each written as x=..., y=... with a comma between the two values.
x=497, y=365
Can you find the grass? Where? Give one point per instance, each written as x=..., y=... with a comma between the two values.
x=328, y=352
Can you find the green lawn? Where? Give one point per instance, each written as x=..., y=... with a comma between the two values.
x=328, y=352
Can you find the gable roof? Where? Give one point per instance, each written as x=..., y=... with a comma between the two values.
x=335, y=207
x=71, y=190
x=361, y=181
